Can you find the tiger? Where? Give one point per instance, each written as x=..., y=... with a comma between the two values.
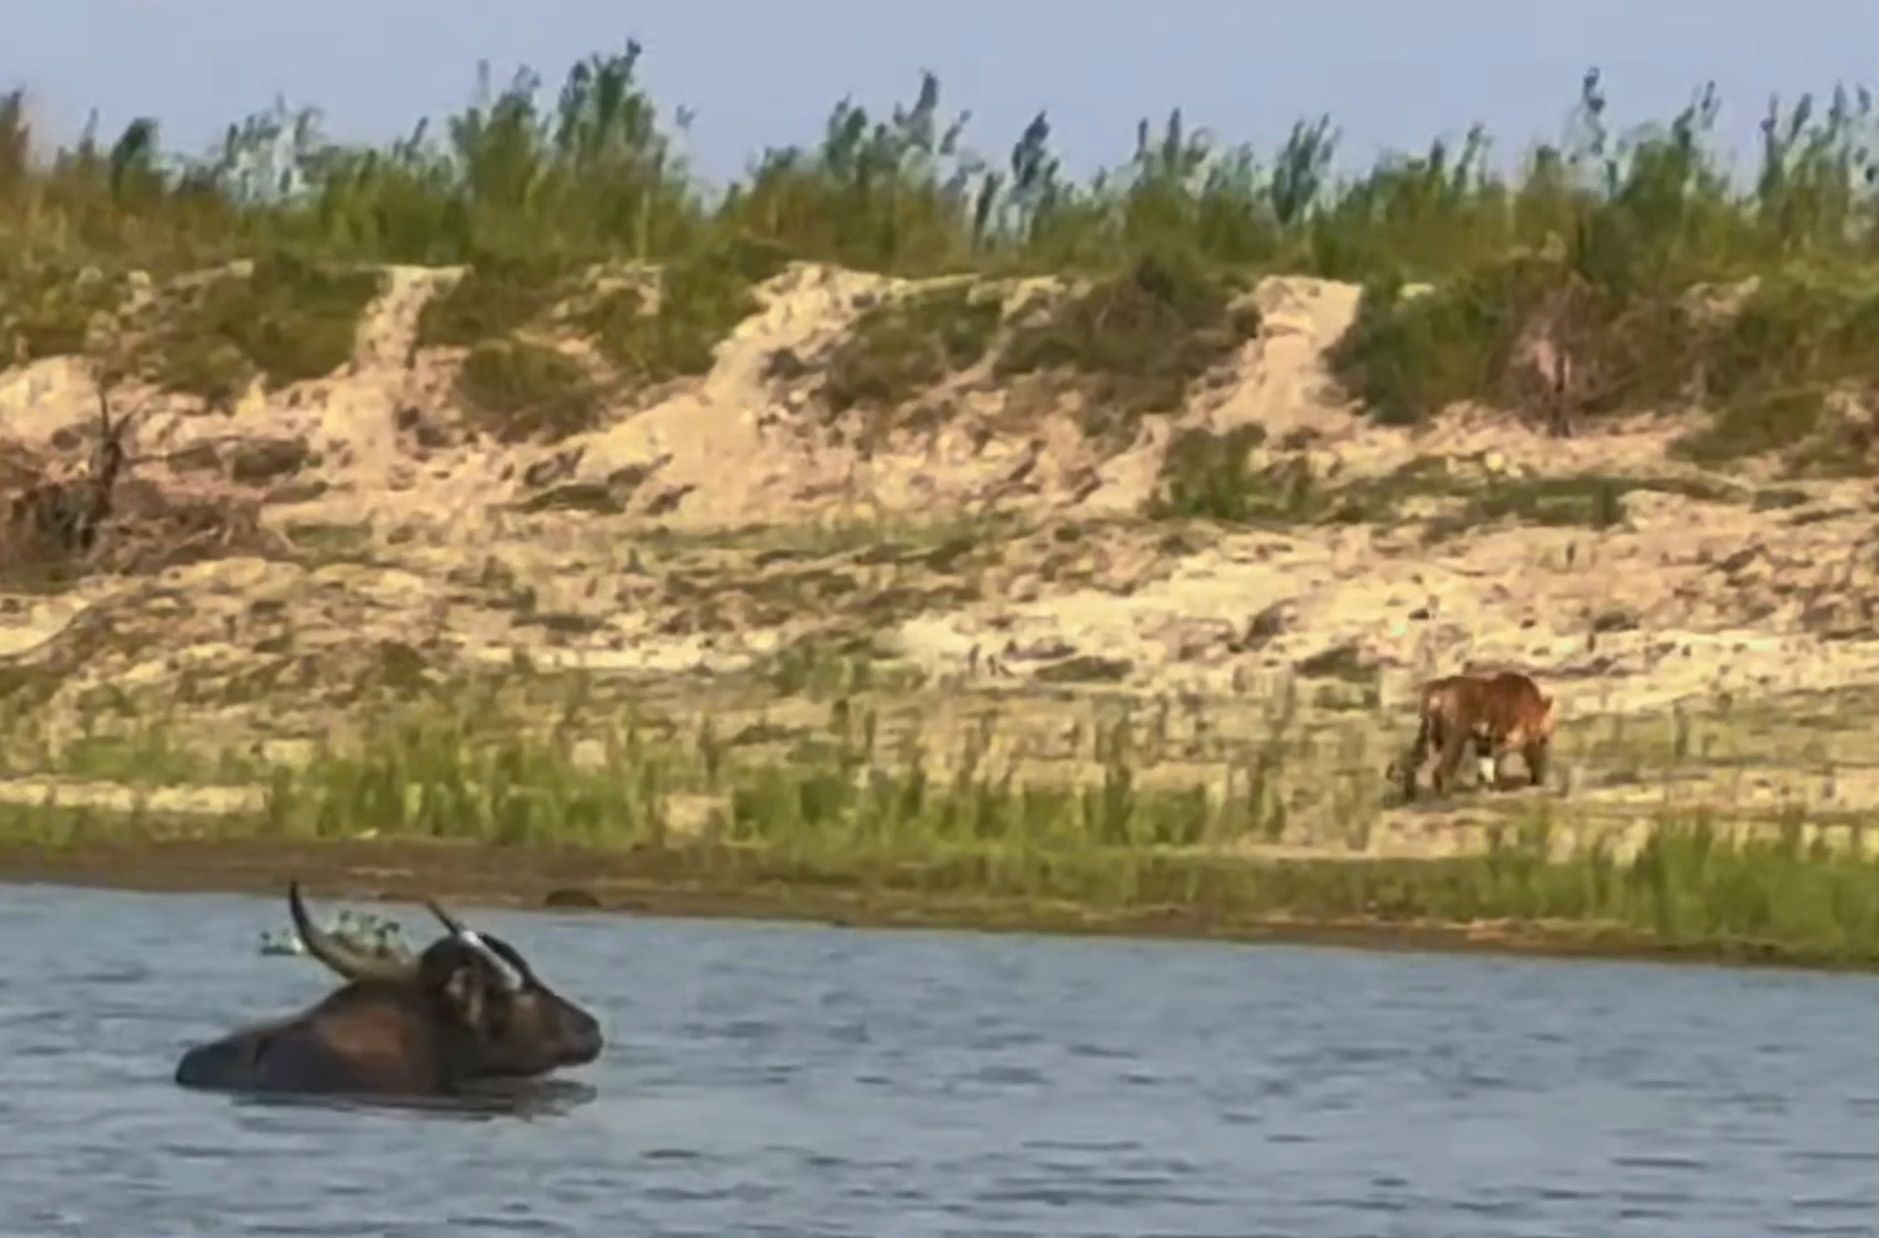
x=1499, y=713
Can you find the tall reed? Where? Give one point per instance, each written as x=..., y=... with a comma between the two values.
x=598, y=172
x=837, y=809
x=1600, y=233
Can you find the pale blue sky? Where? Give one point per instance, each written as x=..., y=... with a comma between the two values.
x=1392, y=74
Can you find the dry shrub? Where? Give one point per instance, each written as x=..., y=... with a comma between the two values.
x=54, y=528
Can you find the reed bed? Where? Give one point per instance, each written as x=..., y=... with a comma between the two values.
x=850, y=807
x=598, y=172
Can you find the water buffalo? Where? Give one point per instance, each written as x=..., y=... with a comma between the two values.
x=467, y=1008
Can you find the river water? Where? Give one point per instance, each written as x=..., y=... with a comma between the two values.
x=799, y=1080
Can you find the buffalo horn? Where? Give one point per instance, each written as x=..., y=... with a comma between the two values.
x=348, y=962
x=511, y=979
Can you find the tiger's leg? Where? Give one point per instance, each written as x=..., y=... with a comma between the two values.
x=1536, y=754
x=1454, y=746
x=1418, y=756
x=1487, y=760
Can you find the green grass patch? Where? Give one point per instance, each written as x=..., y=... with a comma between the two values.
x=1766, y=365
x=1777, y=498
x=518, y=389
x=1139, y=338
x=332, y=543
x=492, y=299
x=1772, y=364
x=1206, y=474
x=825, y=669
x=1753, y=425
x=1797, y=329
x=47, y=308
x=288, y=321
x=903, y=346
x=701, y=300
x=833, y=811
x=652, y=323
x=1593, y=501
x=148, y=755
x=1413, y=352
x=1409, y=357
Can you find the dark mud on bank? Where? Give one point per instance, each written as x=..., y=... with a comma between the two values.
x=670, y=883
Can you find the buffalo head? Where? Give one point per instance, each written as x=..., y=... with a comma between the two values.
x=468, y=1007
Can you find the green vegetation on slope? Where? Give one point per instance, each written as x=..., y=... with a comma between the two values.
x=701, y=298
x=518, y=389
x=1586, y=249
x=494, y=298
x=902, y=347
x=1206, y=474
x=1141, y=337
x=47, y=305
x=285, y=321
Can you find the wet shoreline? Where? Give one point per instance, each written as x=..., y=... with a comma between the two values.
x=654, y=883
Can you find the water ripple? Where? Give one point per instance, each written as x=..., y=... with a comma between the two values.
x=806, y=1081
